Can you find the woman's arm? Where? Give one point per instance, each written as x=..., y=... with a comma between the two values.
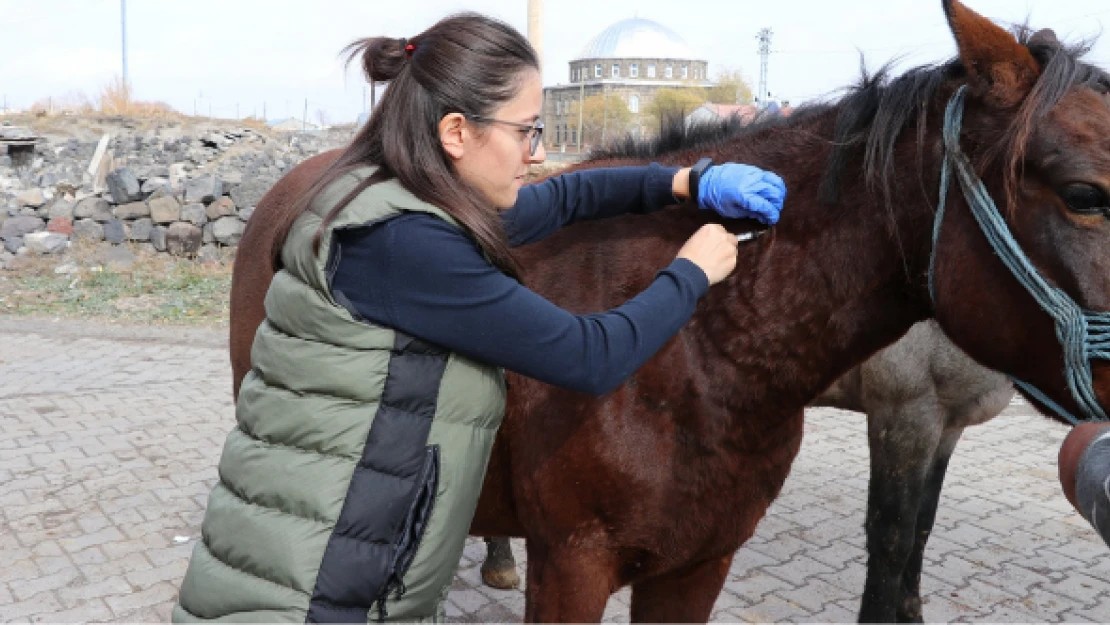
x=422, y=276
x=543, y=208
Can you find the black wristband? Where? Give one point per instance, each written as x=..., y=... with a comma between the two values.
x=695, y=176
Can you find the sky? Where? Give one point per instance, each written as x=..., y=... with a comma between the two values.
x=234, y=58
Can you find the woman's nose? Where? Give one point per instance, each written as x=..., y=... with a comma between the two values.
x=539, y=157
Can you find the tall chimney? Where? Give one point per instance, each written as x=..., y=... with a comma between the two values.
x=535, y=27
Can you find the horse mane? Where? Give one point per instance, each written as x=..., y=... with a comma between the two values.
x=873, y=113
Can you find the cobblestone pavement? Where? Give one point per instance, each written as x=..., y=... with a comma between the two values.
x=109, y=438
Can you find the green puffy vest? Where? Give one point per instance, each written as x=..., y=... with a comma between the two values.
x=347, y=488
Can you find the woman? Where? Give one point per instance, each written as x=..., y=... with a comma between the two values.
x=376, y=388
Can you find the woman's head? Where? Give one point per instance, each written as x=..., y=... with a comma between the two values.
x=445, y=127
x=446, y=91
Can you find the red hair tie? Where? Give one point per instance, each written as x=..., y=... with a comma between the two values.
x=409, y=49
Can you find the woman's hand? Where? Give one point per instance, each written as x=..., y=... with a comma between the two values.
x=713, y=250
x=742, y=191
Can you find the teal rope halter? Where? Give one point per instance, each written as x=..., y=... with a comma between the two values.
x=1083, y=335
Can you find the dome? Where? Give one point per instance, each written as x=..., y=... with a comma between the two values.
x=637, y=39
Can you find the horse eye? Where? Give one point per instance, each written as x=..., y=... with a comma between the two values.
x=1085, y=198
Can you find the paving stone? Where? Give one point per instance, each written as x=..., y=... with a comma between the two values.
x=95, y=478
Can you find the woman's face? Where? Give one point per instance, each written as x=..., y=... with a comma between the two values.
x=494, y=156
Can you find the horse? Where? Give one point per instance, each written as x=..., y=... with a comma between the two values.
x=919, y=395
x=655, y=485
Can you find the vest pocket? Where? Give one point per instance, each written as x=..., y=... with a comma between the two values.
x=413, y=528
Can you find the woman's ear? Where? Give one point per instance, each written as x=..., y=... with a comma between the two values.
x=452, y=134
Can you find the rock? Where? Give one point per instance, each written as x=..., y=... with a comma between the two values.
x=140, y=229
x=14, y=244
x=94, y=208
x=165, y=210
x=158, y=238
x=183, y=239
x=249, y=192
x=152, y=185
x=19, y=226
x=27, y=211
x=115, y=231
x=195, y=214
x=61, y=225
x=67, y=269
x=133, y=210
x=61, y=208
x=47, y=180
x=33, y=198
x=124, y=186
x=222, y=207
x=245, y=214
x=207, y=236
x=45, y=242
x=87, y=230
x=209, y=254
x=177, y=175
x=231, y=179
x=115, y=257
x=5, y=161
x=204, y=189
x=228, y=230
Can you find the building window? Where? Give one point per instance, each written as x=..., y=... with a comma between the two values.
x=558, y=107
x=616, y=70
x=597, y=70
x=634, y=103
x=668, y=72
x=685, y=71
x=574, y=135
x=651, y=70
x=634, y=70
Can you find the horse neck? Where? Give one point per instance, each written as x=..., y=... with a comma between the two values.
x=829, y=286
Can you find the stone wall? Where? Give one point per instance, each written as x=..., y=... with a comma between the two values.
x=163, y=188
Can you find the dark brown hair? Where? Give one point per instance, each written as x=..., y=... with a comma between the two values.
x=465, y=63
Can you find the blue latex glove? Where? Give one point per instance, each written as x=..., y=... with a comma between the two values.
x=742, y=191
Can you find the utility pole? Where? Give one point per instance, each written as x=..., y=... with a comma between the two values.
x=304, y=120
x=264, y=118
x=123, y=34
x=764, y=38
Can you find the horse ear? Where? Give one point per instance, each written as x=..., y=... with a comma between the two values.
x=1000, y=69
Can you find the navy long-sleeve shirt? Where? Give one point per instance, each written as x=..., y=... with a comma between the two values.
x=419, y=274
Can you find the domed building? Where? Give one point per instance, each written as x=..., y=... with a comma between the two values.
x=632, y=59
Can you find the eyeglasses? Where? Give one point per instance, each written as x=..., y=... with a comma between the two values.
x=533, y=130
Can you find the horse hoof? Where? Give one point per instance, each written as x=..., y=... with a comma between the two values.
x=504, y=578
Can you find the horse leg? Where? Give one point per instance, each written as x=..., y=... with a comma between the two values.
x=568, y=584
x=686, y=596
x=499, y=568
x=909, y=611
x=903, y=438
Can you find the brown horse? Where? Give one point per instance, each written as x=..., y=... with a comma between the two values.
x=656, y=484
